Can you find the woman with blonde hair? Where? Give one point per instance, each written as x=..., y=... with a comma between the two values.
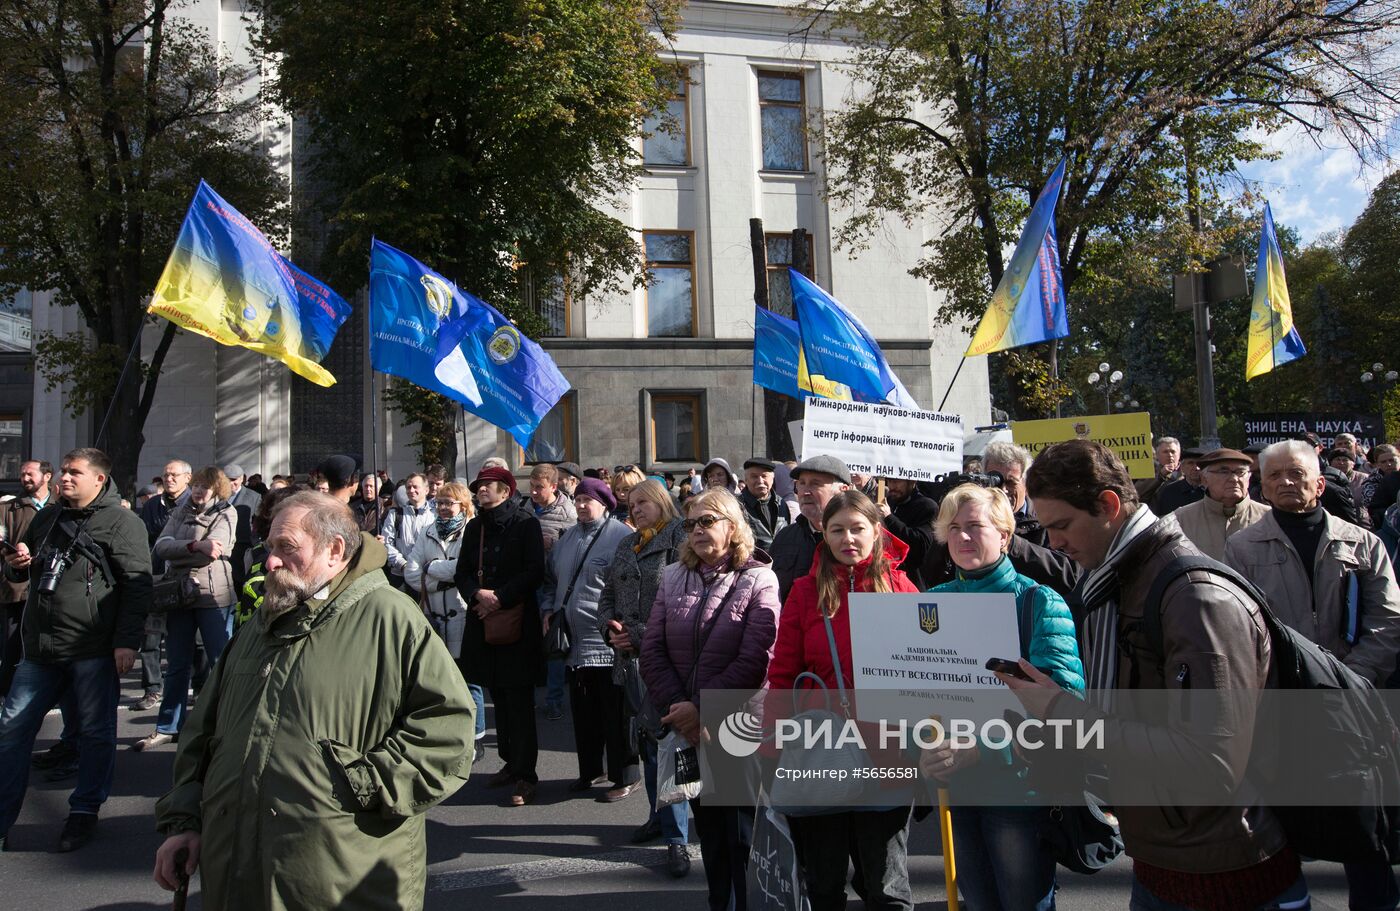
x=196, y=543
x=712, y=628
x=856, y=554
x=622, y=483
x=629, y=592
x=1002, y=862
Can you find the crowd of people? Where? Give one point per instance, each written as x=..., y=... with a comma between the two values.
x=344, y=633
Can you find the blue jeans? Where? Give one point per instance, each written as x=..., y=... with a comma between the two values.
x=1294, y=898
x=39, y=687
x=180, y=627
x=554, y=683
x=673, y=820
x=1002, y=864
x=479, y=697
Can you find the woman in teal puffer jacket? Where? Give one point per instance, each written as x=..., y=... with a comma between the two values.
x=1002, y=863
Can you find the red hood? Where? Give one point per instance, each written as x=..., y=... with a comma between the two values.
x=894, y=547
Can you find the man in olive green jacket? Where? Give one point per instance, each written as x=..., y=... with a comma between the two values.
x=334, y=720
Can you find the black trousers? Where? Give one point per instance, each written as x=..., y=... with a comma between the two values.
x=151, y=676
x=516, y=738
x=881, y=840
x=11, y=648
x=725, y=836
x=599, y=710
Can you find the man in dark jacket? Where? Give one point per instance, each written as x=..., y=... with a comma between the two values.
x=909, y=517
x=767, y=514
x=1213, y=638
x=1336, y=496
x=157, y=511
x=816, y=481
x=90, y=583
x=1185, y=490
x=500, y=567
x=15, y=517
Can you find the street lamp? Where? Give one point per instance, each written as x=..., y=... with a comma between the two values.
x=1102, y=378
x=1384, y=379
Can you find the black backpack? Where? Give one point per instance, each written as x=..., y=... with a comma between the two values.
x=1360, y=747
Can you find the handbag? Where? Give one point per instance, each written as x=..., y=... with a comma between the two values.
x=820, y=781
x=505, y=625
x=1082, y=838
x=559, y=638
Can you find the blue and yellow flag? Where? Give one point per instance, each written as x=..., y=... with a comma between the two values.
x=777, y=349
x=1028, y=305
x=840, y=359
x=1273, y=339
x=225, y=281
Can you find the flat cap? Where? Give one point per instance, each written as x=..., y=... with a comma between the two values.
x=1193, y=453
x=234, y=471
x=765, y=464
x=824, y=464
x=1224, y=455
x=571, y=469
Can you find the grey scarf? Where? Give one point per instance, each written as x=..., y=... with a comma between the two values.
x=1099, y=594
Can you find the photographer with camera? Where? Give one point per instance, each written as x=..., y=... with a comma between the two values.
x=89, y=569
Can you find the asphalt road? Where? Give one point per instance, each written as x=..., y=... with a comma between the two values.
x=525, y=859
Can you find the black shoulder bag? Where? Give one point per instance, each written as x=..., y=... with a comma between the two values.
x=559, y=638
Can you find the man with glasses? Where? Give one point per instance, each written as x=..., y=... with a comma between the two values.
x=1227, y=508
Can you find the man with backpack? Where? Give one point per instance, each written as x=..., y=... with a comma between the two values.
x=1211, y=635
x=1331, y=581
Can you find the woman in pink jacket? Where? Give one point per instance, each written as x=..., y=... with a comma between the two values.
x=712, y=628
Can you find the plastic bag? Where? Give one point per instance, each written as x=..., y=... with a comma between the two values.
x=678, y=774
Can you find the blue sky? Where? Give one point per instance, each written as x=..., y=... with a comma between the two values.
x=1315, y=188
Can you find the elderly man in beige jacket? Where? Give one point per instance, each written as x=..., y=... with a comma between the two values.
x=1226, y=508
x=1326, y=578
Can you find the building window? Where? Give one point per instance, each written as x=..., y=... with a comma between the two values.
x=548, y=296
x=783, y=121
x=11, y=444
x=677, y=426
x=779, y=254
x=670, y=284
x=666, y=131
x=16, y=322
x=556, y=439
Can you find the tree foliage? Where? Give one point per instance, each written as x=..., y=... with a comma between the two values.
x=110, y=113
x=971, y=103
x=478, y=137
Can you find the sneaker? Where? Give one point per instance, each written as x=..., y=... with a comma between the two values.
x=58, y=754
x=553, y=712
x=151, y=741
x=621, y=793
x=77, y=831
x=678, y=860
x=647, y=831
x=524, y=793
x=146, y=703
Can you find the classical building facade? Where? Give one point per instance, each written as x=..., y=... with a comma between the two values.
x=661, y=377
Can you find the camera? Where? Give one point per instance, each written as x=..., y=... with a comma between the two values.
x=53, y=572
x=941, y=487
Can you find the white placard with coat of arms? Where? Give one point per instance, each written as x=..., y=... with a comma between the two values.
x=931, y=642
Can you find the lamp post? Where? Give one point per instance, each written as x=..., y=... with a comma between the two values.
x=1103, y=379
x=1384, y=380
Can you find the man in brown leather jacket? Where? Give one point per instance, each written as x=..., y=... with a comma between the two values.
x=1184, y=856
x=15, y=516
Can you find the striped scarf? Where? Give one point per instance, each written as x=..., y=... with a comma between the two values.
x=1099, y=594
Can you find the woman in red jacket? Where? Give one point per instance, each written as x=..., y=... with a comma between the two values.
x=857, y=555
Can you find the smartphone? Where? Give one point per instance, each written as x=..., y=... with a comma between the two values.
x=7, y=548
x=1007, y=666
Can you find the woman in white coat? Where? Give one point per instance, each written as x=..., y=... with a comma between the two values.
x=432, y=563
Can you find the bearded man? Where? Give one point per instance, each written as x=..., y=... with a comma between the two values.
x=334, y=720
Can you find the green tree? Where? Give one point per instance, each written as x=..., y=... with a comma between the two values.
x=479, y=137
x=970, y=105
x=110, y=113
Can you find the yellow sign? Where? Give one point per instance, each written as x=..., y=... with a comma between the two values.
x=1128, y=435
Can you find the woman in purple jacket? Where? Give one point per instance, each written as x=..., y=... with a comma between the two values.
x=712, y=628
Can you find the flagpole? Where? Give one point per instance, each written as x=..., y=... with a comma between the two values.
x=374, y=447
x=121, y=380
x=950, y=383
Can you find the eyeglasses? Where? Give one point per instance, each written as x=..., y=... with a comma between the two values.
x=706, y=522
x=1231, y=472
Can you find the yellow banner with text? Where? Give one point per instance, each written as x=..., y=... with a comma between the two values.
x=1128, y=435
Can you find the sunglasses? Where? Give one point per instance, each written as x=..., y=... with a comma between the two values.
x=706, y=522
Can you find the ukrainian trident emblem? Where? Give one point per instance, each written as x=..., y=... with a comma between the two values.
x=928, y=618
